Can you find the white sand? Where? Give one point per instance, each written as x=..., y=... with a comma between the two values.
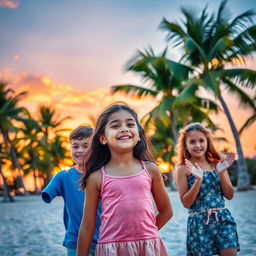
x=31, y=227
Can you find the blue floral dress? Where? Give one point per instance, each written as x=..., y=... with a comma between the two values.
x=210, y=226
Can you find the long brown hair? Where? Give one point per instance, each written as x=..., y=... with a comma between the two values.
x=99, y=154
x=182, y=153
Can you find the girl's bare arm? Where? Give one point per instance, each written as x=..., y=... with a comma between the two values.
x=226, y=185
x=187, y=196
x=221, y=167
x=88, y=224
x=160, y=195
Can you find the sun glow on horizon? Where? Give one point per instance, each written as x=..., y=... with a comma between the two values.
x=84, y=105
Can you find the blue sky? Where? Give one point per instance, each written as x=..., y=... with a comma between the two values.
x=86, y=44
x=69, y=53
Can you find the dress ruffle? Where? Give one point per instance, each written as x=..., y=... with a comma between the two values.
x=151, y=247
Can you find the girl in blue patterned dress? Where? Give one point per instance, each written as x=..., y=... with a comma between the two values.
x=203, y=182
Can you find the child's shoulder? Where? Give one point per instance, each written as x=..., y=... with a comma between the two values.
x=65, y=172
x=182, y=170
x=61, y=173
x=96, y=174
x=95, y=178
x=153, y=169
x=151, y=165
x=181, y=167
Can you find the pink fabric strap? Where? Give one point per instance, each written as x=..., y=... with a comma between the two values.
x=103, y=170
x=209, y=212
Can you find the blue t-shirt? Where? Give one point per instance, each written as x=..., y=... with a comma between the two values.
x=66, y=184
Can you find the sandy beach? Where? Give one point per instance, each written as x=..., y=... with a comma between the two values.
x=31, y=227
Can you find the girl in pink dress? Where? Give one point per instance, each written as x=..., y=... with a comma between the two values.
x=122, y=175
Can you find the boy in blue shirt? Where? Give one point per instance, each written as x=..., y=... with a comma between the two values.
x=67, y=185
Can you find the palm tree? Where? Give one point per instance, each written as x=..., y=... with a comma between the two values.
x=7, y=196
x=30, y=147
x=49, y=121
x=9, y=112
x=164, y=80
x=210, y=44
x=58, y=150
x=163, y=144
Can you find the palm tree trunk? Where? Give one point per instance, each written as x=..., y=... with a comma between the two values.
x=174, y=127
x=32, y=155
x=7, y=195
x=35, y=184
x=243, y=178
x=15, y=162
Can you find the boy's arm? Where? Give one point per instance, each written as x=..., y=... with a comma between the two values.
x=87, y=227
x=53, y=189
x=160, y=195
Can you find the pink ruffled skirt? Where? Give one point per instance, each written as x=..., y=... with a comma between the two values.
x=151, y=247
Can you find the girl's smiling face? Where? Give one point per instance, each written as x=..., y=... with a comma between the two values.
x=196, y=143
x=121, y=131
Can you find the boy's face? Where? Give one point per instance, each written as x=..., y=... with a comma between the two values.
x=79, y=149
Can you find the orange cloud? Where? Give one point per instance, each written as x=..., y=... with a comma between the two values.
x=16, y=57
x=82, y=105
x=9, y=3
x=68, y=101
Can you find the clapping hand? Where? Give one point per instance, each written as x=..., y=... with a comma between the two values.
x=222, y=165
x=195, y=170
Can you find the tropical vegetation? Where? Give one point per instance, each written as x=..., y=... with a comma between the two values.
x=211, y=46
x=28, y=145
x=213, y=49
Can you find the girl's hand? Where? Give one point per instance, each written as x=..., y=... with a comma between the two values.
x=224, y=164
x=195, y=170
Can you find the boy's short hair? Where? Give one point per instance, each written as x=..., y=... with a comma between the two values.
x=81, y=132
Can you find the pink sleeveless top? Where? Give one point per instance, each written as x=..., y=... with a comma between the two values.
x=127, y=208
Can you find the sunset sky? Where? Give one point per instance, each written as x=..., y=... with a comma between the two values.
x=69, y=53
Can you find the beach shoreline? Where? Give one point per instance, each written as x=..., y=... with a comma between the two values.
x=29, y=226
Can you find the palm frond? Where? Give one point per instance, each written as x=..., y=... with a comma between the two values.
x=188, y=94
x=222, y=15
x=243, y=76
x=242, y=20
x=244, y=98
x=133, y=90
x=179, y=70
x=174, y=32
x=248, y=123
x=210, y=81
